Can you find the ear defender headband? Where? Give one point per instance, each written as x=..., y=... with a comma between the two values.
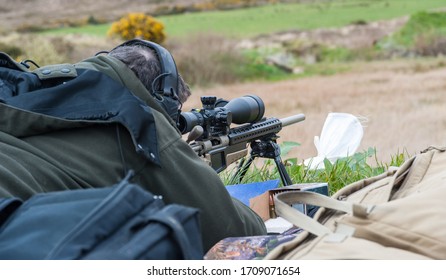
x=167, y=95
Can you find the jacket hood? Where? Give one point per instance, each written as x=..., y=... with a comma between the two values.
x=118, y=71
x=100, y=90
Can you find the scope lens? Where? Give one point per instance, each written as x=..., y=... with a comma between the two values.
x=246, y=109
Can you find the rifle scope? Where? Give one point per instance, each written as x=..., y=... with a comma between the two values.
x=217, y=115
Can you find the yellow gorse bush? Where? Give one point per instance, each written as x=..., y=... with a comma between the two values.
x=138, y=25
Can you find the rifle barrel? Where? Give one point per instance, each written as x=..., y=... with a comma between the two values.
x=292, y=119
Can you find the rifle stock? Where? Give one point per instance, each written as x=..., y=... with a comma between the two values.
x=223, y=150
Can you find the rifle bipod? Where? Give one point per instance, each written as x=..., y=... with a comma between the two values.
x=265, y=148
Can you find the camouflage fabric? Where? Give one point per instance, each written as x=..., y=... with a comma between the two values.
x=249, y=248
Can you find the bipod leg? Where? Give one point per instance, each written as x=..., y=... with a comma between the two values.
x=274, y=152
x=286, y=180
x=270, y=149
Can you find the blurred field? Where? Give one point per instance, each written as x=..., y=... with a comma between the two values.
x=403, y=102
x=246, y=23
x=400, y=102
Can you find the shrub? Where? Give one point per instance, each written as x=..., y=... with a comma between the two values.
x=11, y=50
x=419, y=24
x=138, y=25
x=169, y=9
x=42, y=50
x=430, y=44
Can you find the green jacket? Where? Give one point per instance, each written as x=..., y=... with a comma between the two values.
x=41, y=153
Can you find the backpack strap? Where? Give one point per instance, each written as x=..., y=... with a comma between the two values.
x=284, y=200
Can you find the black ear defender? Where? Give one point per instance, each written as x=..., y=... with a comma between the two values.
x=167, y=94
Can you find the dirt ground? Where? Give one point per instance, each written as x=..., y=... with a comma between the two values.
x=400, y=104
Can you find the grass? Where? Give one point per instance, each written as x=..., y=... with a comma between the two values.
x=254, y=68
x=424, y=34
x=338, y=174
x=250, y=22
x=421, y=23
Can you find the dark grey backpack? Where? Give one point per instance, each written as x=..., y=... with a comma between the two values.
x=118, y=222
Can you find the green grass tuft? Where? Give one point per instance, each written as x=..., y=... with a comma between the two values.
x=339, y=174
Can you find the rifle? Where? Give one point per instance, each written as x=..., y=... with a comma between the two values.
x=212, y=138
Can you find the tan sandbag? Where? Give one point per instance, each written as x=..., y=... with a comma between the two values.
x=399, y=214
